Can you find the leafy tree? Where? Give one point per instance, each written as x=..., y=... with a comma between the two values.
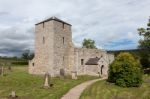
x=27, y=55
x=144, y=45
x=31, y=56
x=88, y=43
x=125, y=71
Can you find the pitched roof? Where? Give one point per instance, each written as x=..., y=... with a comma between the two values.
x=92, y=61
x=53, y=18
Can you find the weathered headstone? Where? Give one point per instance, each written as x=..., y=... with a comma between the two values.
x=9, y=66
x=13, y=95
x=1, y=70
x=74, y=75
x=47, y=80
x=62, y=72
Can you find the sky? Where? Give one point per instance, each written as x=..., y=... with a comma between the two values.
x=111, y=23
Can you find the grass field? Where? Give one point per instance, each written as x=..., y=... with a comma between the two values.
x=30, y=86
x=6, y=62
x=105, y=90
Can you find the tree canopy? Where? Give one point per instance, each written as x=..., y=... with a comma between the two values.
x=144, y=45
x=88, y=43
x=125, y=71
x=27, y=55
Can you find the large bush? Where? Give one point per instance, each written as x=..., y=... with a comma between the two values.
x=125, y=71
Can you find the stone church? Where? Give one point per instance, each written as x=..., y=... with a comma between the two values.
x=54, y=52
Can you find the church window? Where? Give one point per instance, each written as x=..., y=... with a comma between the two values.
x=63, y=40
x=63, y=58
x=43, y=40
x=43, y=24
x=63, y=25
x=33, y=64
x=82, y=61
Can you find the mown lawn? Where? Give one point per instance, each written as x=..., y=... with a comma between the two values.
x=105, y=90
x=30, y=86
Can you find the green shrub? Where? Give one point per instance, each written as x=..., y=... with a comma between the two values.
x=125, y=71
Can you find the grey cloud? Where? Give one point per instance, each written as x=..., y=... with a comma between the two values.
x=101, y=20
x=14, y=41
x=2, y=13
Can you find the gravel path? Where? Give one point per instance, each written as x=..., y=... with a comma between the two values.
x=75, y=92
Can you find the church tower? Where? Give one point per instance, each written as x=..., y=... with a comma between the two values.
x=53, y=47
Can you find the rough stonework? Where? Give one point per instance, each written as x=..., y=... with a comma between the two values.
x=55, y=51
x=82, y=56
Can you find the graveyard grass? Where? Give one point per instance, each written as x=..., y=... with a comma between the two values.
x=30, y=86
x=105, y=90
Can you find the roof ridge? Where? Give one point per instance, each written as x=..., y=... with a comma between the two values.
x=53, y=18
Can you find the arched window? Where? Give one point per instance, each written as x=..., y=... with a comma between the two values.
x=102, y=69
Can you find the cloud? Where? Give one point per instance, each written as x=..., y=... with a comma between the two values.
x=16, y=40
x=110, y=23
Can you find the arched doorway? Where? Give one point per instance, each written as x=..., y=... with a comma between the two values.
x=102, y=69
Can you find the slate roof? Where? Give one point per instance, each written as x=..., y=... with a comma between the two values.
x=92, y=61
x=53, y=18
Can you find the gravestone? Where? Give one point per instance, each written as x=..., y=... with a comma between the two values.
x=47, y=80
x=13, y=95
x=1, y=70
x=9, y=66
x=74, y=75
x=62, y=72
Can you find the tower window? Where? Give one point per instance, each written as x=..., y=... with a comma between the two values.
x=63, y=25
x=63, y=40
x=82, y=61
x=33, y=64
x=43, y=24
x=63, y=58
x=43, y=40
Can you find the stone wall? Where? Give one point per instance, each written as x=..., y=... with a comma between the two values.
x=85, y=54
x=55, y=51
x=62, y=41
x=44, y=50
x=53, y=48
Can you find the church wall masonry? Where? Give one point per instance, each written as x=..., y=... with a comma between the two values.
x=55, y=51
x=44, y=50
x=82, y=55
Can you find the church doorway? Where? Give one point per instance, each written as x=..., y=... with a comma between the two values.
x=102, y=67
